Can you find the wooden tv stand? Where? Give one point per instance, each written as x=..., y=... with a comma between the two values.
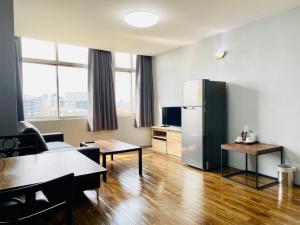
x=167, y=140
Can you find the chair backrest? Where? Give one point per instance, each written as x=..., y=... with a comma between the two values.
x=63, y=186
x=18, y=145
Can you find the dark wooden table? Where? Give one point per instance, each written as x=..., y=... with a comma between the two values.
x=255, y=150
x=111, y=147
x=31, y=169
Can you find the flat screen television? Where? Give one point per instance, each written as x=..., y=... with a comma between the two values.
x=171, y=116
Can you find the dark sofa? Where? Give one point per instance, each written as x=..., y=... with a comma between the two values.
x=54, y=142
x=51, y=142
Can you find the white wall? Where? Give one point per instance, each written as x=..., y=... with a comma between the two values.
x=8, y=111
x=262, y=69
x=75, y=131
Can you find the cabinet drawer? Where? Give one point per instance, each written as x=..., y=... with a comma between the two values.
x=155, y=145
x=159, y=146
x=174, y=136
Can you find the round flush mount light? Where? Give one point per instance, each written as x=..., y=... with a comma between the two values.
x=141, y=19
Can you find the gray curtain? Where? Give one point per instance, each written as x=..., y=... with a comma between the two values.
x=19, y=78
x=102, y=106
x=144, y=92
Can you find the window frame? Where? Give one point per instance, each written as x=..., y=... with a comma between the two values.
x=130, y=70
x=55, y=63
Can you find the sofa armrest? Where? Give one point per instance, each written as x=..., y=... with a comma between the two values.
x=90, y=152
x=50, y=137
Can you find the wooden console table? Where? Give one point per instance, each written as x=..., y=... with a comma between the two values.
x=256, y=150
x=167, y=140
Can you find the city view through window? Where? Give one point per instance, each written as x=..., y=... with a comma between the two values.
x=55, y=80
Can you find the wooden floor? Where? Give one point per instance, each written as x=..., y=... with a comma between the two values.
x=171, y=193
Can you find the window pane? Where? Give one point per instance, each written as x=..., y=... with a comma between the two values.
x=133, y=61
x=123, y=60
x=39, y=90
x=36, y=49
x=123, y=92
x=72, y=54
x=73, y=99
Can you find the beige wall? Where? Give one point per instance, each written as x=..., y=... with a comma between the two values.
x=75, y=131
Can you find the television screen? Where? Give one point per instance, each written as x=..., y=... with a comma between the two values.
x=171, y=116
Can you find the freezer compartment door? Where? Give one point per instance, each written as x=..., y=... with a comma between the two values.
x=192, y=136
x=193, y=93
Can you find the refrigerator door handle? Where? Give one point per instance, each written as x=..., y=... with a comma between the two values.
x=191, y=107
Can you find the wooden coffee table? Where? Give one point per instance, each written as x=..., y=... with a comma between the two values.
x=111, y=147
x=255, y=150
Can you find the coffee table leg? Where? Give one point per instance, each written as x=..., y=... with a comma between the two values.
x=246, y=158
x=104, y=165
x=112, y=157
x=140, y=162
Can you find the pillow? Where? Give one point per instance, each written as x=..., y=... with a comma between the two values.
x=28, y=128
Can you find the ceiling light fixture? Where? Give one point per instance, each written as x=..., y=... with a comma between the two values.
x=141, y=19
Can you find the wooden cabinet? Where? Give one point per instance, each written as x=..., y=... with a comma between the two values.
x=167, y=140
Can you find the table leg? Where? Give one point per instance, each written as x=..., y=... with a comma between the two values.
x=104, y=165
x=140, y=162
x=69, y=216
x=112, y=157
x=221, y=162
x=256, y=171
x=97, y=193
x=281, y=156
x=246, y=163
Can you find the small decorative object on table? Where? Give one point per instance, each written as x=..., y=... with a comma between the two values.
x=247, y=137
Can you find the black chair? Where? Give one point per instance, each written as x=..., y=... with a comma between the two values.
x=17, y=210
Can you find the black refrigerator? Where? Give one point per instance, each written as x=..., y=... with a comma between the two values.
x=204, y=123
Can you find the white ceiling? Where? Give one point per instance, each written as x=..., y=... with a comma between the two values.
x=99, y=23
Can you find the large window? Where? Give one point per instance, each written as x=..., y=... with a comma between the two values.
x=54, y=79
x=125, y=82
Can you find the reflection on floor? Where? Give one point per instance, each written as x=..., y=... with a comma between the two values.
x=171, y=193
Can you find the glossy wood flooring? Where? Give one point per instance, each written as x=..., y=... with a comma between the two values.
x=171, y=193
